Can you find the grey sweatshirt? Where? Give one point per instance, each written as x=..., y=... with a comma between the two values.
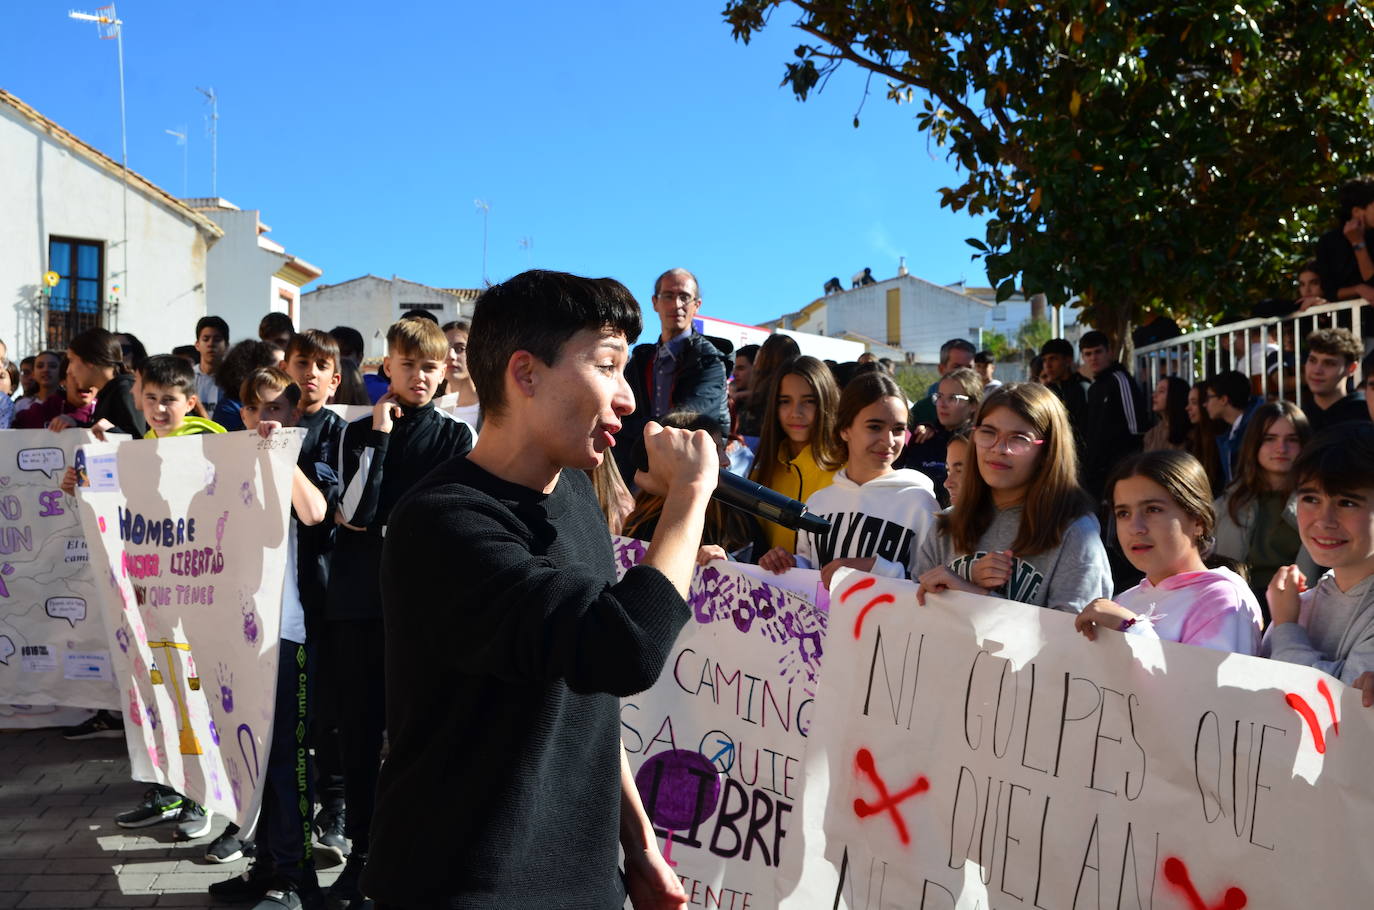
x=1065, y=577
x=1334, y=632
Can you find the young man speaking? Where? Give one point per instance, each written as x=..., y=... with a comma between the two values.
x=509, y=640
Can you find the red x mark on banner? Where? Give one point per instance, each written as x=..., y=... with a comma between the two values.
x=887, y=802
x=1177, y=875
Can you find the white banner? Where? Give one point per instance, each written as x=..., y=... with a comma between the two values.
x=979, y=753
x=716, y=744
x=53, y=645
x=190, y=533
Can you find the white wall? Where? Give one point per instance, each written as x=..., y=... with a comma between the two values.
x=239, y=274
x=48, y=190
x=371, y=304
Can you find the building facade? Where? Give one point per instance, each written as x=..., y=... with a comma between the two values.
x=371, y=304
x=249, y=275
x=62, y=216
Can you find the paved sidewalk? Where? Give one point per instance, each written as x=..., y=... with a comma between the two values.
x=60, y=847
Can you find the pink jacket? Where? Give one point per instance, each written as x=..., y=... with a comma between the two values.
x=1212, y=609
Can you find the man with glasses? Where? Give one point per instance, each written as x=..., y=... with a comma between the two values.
x=682, y=371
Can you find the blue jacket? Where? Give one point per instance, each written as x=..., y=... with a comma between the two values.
x=698, y=385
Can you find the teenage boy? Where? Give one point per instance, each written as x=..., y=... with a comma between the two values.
x=1333, y=356
x=277, y=329
x=313, y=361
x=382, y=457
x=1330, y=626
x=1056, y=357
x=1226, y=397
x=167, y=395
x=505, y=769
x=212, y=340
x=282, y=876
x=984, y=364
x=1115, y=414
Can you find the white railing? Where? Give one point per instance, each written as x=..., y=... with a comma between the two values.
x=1196, y=355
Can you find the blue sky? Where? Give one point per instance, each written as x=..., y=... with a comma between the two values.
x=621, y=137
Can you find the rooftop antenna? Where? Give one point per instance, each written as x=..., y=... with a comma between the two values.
x=527, y=244
x=213, y=100
x=109, y=25
x=185, y=146
x=485, y=209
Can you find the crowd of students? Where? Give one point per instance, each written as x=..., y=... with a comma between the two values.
x=1204, y=516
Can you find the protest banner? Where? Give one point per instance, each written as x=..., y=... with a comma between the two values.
x=980, y=753
x=53, y=645
x=189, y=537
x=716, y=743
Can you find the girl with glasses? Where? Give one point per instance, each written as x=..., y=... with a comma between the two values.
x=1022, y=528
x=877, y=515
x=956, y=399
x=1161, y=504
x=798, y=453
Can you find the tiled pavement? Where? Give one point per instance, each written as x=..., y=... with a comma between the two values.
x=60, y=847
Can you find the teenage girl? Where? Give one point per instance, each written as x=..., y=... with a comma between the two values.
x=1257, y=517
x=95, y=361
x=1022, y=528
x=877, y=515
x=1164, y=523
x=798, y=450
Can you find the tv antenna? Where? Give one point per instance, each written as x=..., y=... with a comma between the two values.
x=181, y=137
x=213, y=100
x=527, y=244
x=485, y=209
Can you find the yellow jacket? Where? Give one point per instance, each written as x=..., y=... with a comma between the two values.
x=796, y=479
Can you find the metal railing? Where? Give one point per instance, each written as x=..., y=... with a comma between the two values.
x=1276, y=343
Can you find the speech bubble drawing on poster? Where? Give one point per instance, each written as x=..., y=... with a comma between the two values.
x=48, y=459
x=6, y=649
x=69, y=608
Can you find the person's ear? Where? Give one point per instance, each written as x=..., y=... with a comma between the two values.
x=191, y=401
x=522, y=370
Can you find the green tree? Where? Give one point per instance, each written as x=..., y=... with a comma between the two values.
x=1141, y=154
x=996, y=344
x=1032, y=334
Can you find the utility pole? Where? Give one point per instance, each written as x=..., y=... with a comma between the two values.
x=109, y=26
x=485, y=209
x=213, y=101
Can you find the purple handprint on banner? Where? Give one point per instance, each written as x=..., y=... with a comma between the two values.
x=225, y=677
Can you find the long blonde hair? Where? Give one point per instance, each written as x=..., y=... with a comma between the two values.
x=1054, y=500
x=823, y=436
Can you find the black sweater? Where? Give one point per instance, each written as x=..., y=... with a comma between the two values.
x=508, y=642
x=376, y=470
x=115, y=403
x=319, y=460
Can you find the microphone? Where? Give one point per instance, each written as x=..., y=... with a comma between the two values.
x=752, y=498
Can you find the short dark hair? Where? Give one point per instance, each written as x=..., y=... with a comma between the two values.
x=1339, y=459
x=100, y=348
x=314, y=344
x=1309, y=266
x=748, y=352
x=1094, y=339
x=169, y=371
x=1341, y=342
x=1233, y=385
x=29, y=360
x=1356, y=193
x=984, y=357
x=242, y=359
x=955, y=344
x=659, y=280
x=350, y=340
x=274, y=323
x=186, y=352
x=420, y=313
x=212, y=322
x=538, y=311
x=1058, y=346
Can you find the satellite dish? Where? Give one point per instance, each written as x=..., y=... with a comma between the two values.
x=51, y=279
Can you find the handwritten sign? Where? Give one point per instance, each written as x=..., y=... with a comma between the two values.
x=716, y=744
x=189, y=537
x=980, y=753
x=46, y=581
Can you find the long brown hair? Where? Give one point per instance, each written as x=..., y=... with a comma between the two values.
x=1054, y=500
x=1201, y=442
x=776, y=352
x=823, y=435
x=1250, y=480
x=1182, y=477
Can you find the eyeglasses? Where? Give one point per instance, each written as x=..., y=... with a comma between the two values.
x=986, y=437
x=679, y=297
x=938, y=397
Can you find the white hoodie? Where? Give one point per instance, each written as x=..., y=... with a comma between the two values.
x=886, y=518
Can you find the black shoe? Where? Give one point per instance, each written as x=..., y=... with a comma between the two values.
x=345, y=891
x=252, y=885
x=329, y=833
x=285, y=896
x=226, y=848
x=159, y=804
x=192, y=822
x=100, y=725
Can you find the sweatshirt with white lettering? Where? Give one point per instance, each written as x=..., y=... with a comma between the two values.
x=886, y=518
x=1065, y=577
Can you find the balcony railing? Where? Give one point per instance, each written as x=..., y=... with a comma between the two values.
x=1248, y=346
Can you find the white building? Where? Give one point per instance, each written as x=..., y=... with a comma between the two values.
x=371, y=304
x=248, y=274
x=908, y=318
x=62, y=211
